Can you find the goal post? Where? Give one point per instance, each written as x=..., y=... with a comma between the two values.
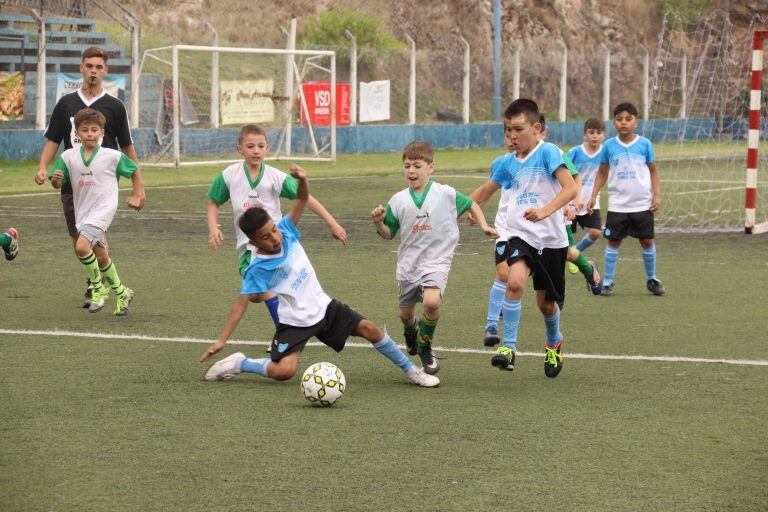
x=194, y=84
x=753, y=138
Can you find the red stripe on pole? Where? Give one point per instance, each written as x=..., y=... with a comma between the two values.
x=754, y=122
x=754, y=119
x=756, y=77
x=751, y=198
x=752, y=158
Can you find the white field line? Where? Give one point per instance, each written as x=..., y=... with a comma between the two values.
x=570, y=355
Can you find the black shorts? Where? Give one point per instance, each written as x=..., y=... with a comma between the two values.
x=548, y=265
x=339, y=323
x=588, y=221
x=620, y=225
x=68, y=203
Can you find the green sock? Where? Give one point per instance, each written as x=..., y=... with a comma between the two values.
x=426, y=332
x=91, y=268
x=5, y=240
x=110, y=273
x=584, y=266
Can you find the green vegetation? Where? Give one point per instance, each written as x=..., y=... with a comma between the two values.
x=684, y=11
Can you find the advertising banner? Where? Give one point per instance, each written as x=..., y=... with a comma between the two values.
x=246, y=101
x=318, y=98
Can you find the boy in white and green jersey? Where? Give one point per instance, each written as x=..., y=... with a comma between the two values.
x=425, y=214
x=251, y=183
x=93, y=172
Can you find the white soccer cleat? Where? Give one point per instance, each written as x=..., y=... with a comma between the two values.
x=418, y=376
x=226, y=369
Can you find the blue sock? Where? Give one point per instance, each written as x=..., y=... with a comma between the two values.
x=495, y=302
x=552, y=324
x=258, y=366
x=272, y=307
x=585, y=243
x=649, y=258
x=388, y=349
x=511, y=311
x=611, y=258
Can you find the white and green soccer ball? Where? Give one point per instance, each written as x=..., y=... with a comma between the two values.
x=323, y=384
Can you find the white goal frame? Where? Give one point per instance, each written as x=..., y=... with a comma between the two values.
x=295, y=80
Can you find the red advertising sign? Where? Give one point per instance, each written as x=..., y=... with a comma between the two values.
x=318, y=98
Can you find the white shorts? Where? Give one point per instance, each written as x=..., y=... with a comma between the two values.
x=94, y=234
x=413, y=293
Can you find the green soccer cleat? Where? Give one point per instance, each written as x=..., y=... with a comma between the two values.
x=572, y=268
x=12, y=250
x=504, y=359
x=98, y=297
x=122, y=302
x=553, y=360
x=411, y=335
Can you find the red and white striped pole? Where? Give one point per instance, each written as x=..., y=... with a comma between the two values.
x=753, y=137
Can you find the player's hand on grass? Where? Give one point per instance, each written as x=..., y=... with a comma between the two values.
x=40, y=176
x=298, y=173
x=212, y=350
x=535, y=214
x=339, y=233
x=215, y=238
x=378, y=214
x=655, y=202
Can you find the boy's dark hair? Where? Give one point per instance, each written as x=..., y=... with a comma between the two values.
x=95, y=51
x=419, y=150
x=250, y=129
x=252, y=220
x=594, y=124
x=89, y=115
x=524, y=106
x=625, y=107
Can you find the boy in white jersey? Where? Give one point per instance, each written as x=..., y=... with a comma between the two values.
x=254, y=183
x=628, y=164
x=280, y=265
x=539, y=185
x=425, y=214
x=93, y=172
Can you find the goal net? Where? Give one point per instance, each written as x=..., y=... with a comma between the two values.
x=700, y=108
x=197, y=97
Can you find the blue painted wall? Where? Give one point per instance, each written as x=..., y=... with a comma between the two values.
x=22, y=144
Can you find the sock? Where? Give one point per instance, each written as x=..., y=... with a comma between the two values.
x=649, y=258
x=258, y=366
x=552, y=324
x=92, y=269
x=511, y=310
x=495, y=302
x=584, y=267
x=5, y=240
x=426, y=332
x=388, y=349
x=272, y=308
x=611, y=258
x=585, y=243
x=110, y=273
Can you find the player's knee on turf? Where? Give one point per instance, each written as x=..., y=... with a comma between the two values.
x=284, y=369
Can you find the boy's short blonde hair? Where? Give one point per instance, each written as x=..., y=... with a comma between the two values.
x=89, y=115
x=419, y=150
x=250, y=129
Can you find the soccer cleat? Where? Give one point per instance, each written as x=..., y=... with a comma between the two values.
x=418, y=376
x=553, y=360
x=572, y=268
x=655, y=287
x=607, y=290
x=226, y=369
x=491, y=336
x=88, y=295
x=411, y=335
x=593, y=282
x=98, y=298
x=428, y=360
x=122, y=302
x=504, y=359
x=12, y=250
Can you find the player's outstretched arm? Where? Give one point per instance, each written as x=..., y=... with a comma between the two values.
x=377, y=216
x=566, y=194
x=600, y=179
x=235, y=314
x=481, y=195
x=337, y=232
x=49, y=153
x=655, y=186
x=477, y=213
x=215, y=236
x=137, y=198
x=302, y=194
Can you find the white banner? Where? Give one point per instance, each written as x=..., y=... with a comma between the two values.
x=112, y=84
x=374, y=101
x=246, y=101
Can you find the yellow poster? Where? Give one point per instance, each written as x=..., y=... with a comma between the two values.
x=11, y=96
x=246, y=101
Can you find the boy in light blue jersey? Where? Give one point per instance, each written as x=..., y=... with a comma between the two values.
x=634, y=193
x=538, y=185
x=280, y=266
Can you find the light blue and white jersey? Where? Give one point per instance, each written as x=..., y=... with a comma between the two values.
x=500, y=222
x=629, y=180
x=302, y=301
x=531, y=183
x=587, y=166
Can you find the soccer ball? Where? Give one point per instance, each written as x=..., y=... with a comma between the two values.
x=323, y=384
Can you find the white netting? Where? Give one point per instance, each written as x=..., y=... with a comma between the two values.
x=703, y=182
